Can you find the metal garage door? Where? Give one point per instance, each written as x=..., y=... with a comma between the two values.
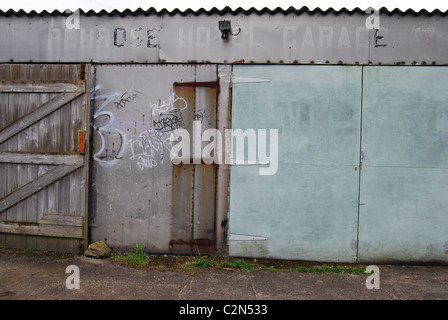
x=308, y=209
x=138, y=194
x=404, y=177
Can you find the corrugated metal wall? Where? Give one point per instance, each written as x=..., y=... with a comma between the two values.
x=288, y=37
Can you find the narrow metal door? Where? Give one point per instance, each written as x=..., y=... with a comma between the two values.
x=404, y=177
x=138, y=194
x=308, y=209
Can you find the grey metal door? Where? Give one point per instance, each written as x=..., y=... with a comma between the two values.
x=138, y=194
x=43, y=162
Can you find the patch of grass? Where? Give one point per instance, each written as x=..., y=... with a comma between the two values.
x=136, y=259
x=331, y=269
x=244, y=265
x=200, y=263
x=270, y=269
x=190, y=264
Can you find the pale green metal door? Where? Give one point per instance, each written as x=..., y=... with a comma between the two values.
x=404, y=176
x=308, y=209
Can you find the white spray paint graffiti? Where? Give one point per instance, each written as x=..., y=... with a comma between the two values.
x=107, y=127
x=148, y=148
x=164, y=107
x=147, y=143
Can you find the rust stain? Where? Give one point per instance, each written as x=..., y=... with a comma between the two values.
x=82, y=74
x=81, y=141
x=200, y=242
x=211, y=84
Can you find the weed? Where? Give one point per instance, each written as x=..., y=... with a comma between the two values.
x=200, y=263
x=137, y=259
x=245, y=266
x=270, y=269
x=331, y=269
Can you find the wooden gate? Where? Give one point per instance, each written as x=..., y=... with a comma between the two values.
x=44, y=112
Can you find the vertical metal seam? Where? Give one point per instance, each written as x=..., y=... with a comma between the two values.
x=368, y=52
x=6, y=109
x=215, y=213
x=360, y=162
x=194, y=166
x=228, y=166
x=90, y=82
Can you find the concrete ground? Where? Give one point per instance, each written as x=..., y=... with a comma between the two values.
x=43, y=277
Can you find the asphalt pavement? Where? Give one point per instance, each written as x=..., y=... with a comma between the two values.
x=42, y=277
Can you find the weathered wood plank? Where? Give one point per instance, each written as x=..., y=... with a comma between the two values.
x=3, y=179
x=31, y=202
x=21, y=86
x=22, y=179
x=62, y=219
x=41, y=112
x=41, y=158
x=2, y=239
x=48, y=230
x=36, y=185
x=11, y=144
x=4, y=103
x=16, y=101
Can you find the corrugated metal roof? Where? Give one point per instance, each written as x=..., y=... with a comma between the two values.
x=227, y=10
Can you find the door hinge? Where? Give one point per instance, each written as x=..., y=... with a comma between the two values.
x=81, y=141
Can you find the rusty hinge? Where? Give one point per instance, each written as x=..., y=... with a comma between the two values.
x=81, y=141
